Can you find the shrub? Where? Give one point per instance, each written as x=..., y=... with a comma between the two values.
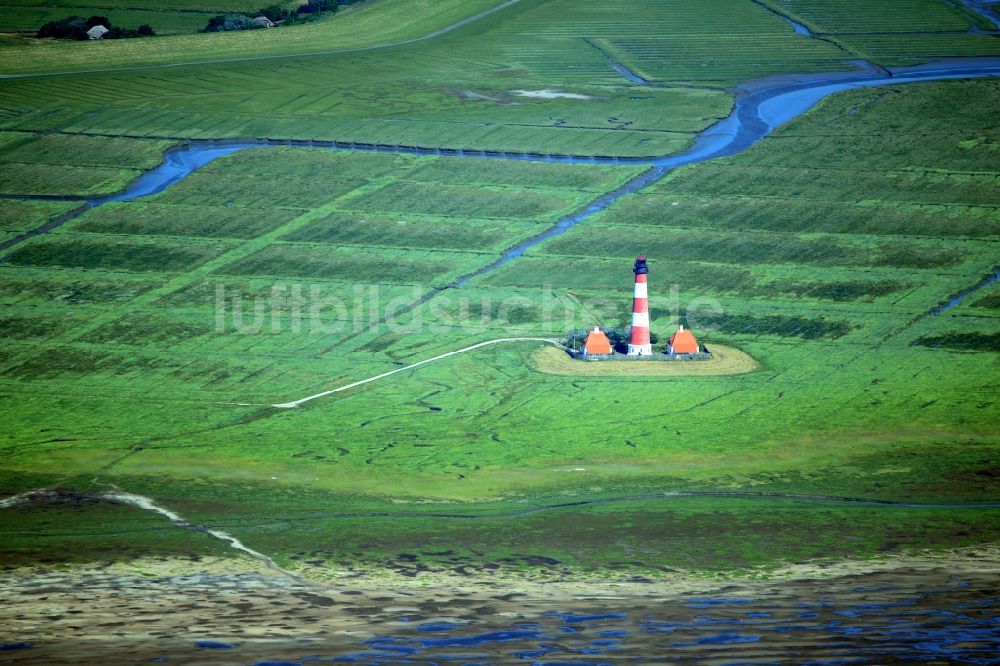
x=318, y=6
x=229, y=22
x=73, y=27
x=277, y=13
x=961, y=341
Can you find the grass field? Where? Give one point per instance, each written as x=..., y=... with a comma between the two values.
x=74, y=166
x=17, y=217
x=439, y=419
x=144, y=341
x=458, y=90
x=841, y=16
x=364, y=25
x=894, y=32
x=177, y=248
x=675, y=40
x=167, y=18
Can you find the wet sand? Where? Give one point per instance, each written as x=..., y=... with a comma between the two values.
x=935, y=608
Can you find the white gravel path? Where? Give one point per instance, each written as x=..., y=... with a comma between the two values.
x=300, y=401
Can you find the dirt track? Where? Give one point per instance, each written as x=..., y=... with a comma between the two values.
x=463, y=350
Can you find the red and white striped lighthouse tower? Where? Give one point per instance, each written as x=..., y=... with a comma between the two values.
x=639, y=339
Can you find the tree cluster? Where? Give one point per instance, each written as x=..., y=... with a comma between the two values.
x=309, y=11
x=228, y=22
x=75, y=27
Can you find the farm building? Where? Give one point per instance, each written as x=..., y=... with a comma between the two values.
x=97, y=32
x=596, y=343
x=682, y=342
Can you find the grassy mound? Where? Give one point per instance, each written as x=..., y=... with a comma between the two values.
x=724, y=361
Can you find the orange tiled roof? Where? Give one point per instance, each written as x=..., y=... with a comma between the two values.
x=683, y=342
x=597, y=343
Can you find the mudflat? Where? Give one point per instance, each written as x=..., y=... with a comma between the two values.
x=935, y=607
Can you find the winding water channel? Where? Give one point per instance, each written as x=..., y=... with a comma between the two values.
x=985, y=8
x=760, y=107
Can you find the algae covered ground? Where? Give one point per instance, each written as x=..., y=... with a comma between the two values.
x=145, y=342
x=219, y=616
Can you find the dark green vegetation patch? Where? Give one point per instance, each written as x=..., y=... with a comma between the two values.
x=461, y=201
x=963, y=341
x=31, y=328
x=990, y=302
x=18, y=217
x=410, y=231
x=112, y=254
x=646, y=537
x=846, y=291
x=72, y=165
x=147, y=219
x=349, y=265
x=770, y=213
x=62, y=531
x=783, y=325
x=753, y=248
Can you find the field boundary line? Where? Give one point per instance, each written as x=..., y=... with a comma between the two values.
x=301, y=401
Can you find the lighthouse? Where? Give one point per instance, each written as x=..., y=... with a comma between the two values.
x=639, y=338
